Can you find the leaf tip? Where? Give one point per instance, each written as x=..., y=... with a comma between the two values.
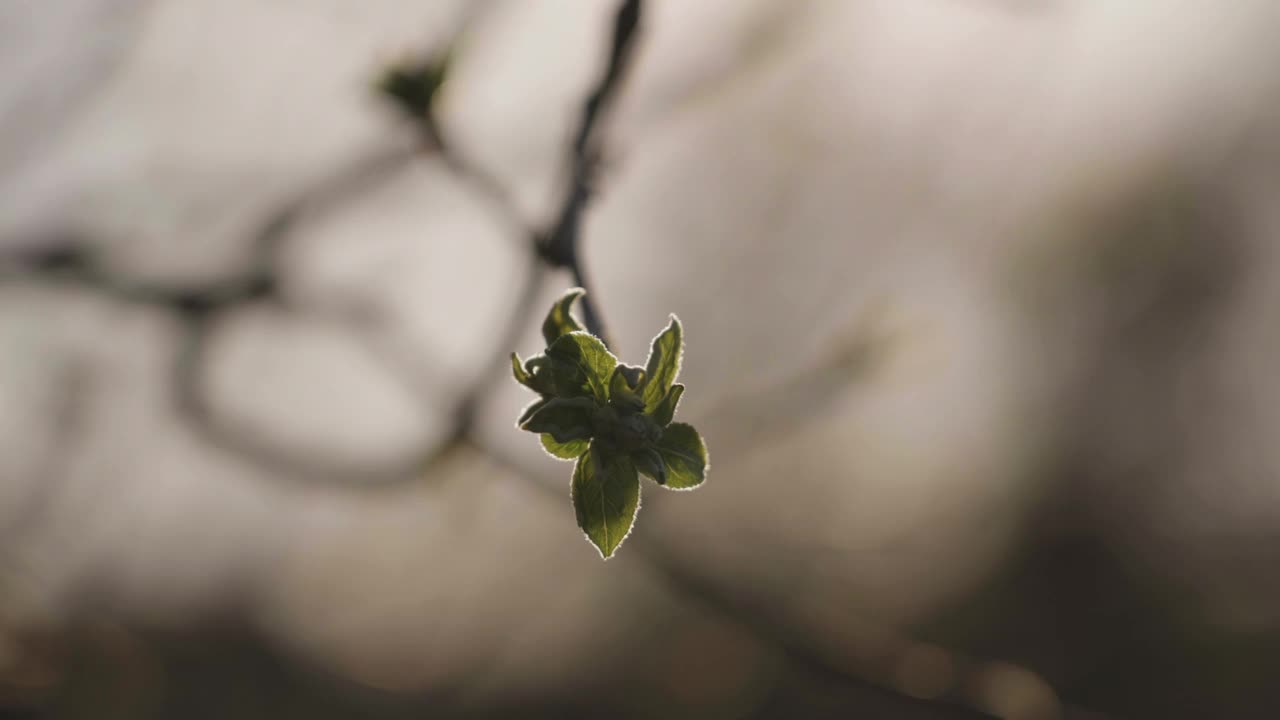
x=560, y=319
x=607, y=554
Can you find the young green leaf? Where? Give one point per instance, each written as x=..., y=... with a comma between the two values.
x=528, y=412
x=565, y=419
x=559, y=321
x=649, y=462
x=663, y=364
x=632, y=374
x=558, y=377
x=571, y=450
x=534, y=374
x=606, y=495
x=588, y=355
x=666, y=409
x=685, y=455
x=517, y=368
x=622, y=388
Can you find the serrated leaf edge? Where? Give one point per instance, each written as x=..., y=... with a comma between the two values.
x=706, y=469
x=630, y=529
x=557, y=458
x=604, y=384
x=524, y=410
x=671, y=318
x=568, y=298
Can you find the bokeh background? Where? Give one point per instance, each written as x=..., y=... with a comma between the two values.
x=980, y=301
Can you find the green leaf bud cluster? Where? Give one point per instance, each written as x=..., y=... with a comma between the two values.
x=615, y=421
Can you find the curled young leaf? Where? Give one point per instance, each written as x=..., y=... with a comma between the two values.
x=532, y=408
x=564, y=419
x=535, y=375
x=622, y=388
x=663, y=364
x=571, y=450
x=606, y=495
x=649, y=462
x=632, y=374
x=517, y=368
x=557, y=377
x=586, y=354
x=559, y=321
x=666, y=410
x=685, y=455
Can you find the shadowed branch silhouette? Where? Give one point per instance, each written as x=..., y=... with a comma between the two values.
x=201, y=312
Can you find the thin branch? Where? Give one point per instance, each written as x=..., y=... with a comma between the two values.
x=559, y=246
x=562, y=245
x=200, y=310
x=279, y=463
x=71, y=260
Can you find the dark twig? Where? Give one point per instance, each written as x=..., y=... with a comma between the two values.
x=200, y=311
x=71, y=261
x=253, y=445
x=559, y=246
x=562, y=247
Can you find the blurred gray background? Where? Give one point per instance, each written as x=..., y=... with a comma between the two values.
x=979, y=298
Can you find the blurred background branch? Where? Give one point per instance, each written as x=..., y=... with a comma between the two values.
x=984, y=490
x=200, y=310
